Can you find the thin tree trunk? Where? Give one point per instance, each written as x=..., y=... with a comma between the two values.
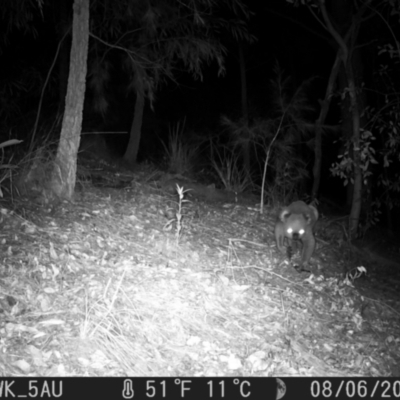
x=357, y=173
x=64, y=172
x=245, y=109
x=320, y=122
x=243, y=83
x=346, y=54
x=132, y=150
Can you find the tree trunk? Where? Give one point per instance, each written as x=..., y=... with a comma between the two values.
x=132, y=150
x=320, y=122
x=64, y=173
x=245, y=109
x=243, y=84
x=63, y=57
x=347, y=44
x=347, y=128
x=357, y=173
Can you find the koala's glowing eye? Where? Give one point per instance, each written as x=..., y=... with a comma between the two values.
x=290, y=230
x=301, y=231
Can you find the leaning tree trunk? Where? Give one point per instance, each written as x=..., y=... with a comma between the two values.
x=345, y=42
x=132, y=149
x=64, y=172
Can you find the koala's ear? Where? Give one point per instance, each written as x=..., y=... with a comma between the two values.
x=314, y=211
x=308, y=218
x=284, y=215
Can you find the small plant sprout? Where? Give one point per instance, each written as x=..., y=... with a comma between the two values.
x=179, y=214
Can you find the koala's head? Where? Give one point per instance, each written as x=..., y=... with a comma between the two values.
x=294, y=224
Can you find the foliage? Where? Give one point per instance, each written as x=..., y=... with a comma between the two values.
x=230, y=170
x=159, y=37
x=385, y=122
x=344, y=170
x=380, y=143
x=284, y=152
x=372, y=155
x=288, y=183
x=344, y=167
x=6, y=169
x=241, y=132
x=380, y=149
x=19, y=14
x=181, y=155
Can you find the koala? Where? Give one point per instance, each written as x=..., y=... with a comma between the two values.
x=296, y=223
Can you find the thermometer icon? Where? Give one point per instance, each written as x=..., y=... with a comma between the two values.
x=128, y=392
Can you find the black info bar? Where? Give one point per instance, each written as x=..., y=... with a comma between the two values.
x=194, y=388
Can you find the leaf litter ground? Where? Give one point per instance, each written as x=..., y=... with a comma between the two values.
x=104, y=287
